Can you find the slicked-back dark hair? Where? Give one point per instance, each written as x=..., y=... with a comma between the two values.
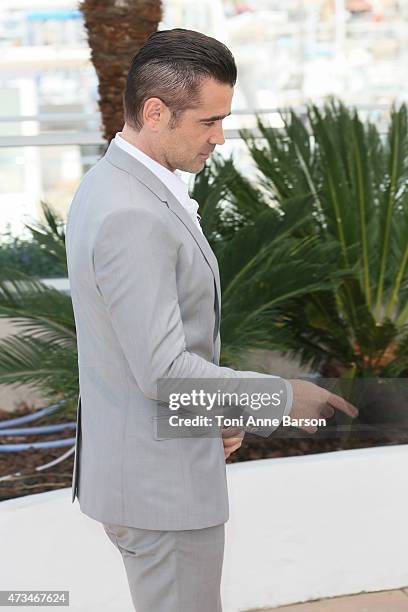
x=171, y=66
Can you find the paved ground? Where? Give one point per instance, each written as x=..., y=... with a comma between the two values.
x=384, y=601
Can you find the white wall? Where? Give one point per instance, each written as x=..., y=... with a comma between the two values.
x=317, y=526
x=300, y=528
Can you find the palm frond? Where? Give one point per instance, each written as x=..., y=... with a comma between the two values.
x=41, y=363
x=354, y=187
x=51, y=234
x=34, y=306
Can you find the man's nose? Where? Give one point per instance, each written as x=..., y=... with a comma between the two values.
x=217, y=137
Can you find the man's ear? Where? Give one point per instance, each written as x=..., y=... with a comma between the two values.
x=155, y=113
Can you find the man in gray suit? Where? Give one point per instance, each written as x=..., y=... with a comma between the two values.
x=146, y=295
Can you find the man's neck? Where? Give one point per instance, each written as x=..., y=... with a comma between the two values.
x=134, y=138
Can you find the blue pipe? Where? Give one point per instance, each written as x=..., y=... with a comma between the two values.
x=44, y=429
x=13, y=448
x=31, y=417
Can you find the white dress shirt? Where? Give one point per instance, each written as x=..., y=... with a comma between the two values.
x=172, y=180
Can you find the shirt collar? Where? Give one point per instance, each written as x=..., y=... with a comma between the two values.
x=172, y=180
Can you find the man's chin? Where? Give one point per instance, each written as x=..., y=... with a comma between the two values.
x=201, y=163
x=194, y=168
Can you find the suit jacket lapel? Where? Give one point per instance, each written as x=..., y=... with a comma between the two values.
x=120, y=158
x=206, y=250
x=200, y=239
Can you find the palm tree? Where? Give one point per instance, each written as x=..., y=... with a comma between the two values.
x=264, y=266
x=44, y=353
x=116, y=31
x=358, y=196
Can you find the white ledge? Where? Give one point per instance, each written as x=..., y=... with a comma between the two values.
x=300, y=528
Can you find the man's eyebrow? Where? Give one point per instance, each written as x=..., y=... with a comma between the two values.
x=215, y=117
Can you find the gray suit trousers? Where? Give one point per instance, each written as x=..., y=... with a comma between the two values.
x=172, y=571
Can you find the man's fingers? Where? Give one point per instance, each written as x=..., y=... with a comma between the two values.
x=228, y=451
x=228, y=442
x=231, y=444
x=327, y=411
x=229, y=432
x=310, y=429
x=341, y=404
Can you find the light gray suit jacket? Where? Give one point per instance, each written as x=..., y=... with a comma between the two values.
x=146, y=294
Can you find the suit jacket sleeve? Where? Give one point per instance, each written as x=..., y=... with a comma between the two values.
x=135, y=259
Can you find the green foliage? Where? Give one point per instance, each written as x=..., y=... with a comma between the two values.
x=28, y=257
x=313, y=256
x=41, y=256
x=43, y=353
x=358, y=197
x=265, y=264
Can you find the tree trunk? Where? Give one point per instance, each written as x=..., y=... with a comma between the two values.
x=116, y=31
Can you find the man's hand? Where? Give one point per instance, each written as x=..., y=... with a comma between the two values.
x=312, y=402
x=232, y=439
